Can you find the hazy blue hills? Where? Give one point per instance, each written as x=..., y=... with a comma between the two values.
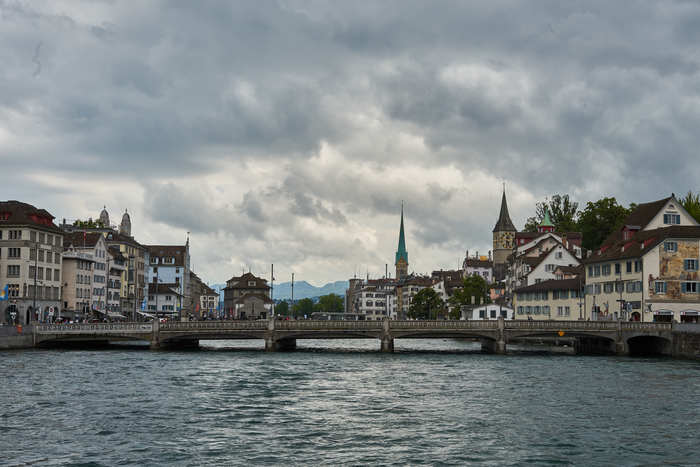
x=302, y=289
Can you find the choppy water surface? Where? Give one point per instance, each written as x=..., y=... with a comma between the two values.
x=341, y=402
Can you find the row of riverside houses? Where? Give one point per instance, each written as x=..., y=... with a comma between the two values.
x=92, y=270
x=645, y=271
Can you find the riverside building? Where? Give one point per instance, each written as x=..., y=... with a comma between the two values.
x=30, y=263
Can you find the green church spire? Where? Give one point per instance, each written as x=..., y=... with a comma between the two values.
x=546, y=222
x=401, y=252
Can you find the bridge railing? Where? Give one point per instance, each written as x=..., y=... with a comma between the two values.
x=443, y=324
x=639, y=326
x=327, y=325
x=556, y=325
x=213, y=325
x=93, y=328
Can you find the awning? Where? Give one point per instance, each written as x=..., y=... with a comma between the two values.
x=690, y=313
x=663, y=312
x=115, y=315
x=148, y=315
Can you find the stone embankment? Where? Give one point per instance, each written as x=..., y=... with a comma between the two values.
x=16, y=337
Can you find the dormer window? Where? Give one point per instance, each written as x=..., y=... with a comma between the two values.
x=251, y=283
x=671, y=218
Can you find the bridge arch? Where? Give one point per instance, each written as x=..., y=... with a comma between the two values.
x=649, y=345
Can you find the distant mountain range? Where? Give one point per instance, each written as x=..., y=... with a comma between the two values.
x=302, y=289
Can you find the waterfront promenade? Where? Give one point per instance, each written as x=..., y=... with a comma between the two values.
x=611, y=337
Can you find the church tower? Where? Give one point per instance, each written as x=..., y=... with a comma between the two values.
x=503, y=240
x=401, y=253
x=125, y=226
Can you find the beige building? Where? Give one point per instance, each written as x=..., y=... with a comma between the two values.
x=647, y=270
x=652, y=277
x=92, y=245
x=30, y=263
x=552, y=299
x=77, y=284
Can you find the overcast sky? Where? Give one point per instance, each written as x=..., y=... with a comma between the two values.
x=289, y=132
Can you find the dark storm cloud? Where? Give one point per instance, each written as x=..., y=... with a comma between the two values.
x=592, y=98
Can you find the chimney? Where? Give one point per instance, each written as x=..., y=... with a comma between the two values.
x=489, y=255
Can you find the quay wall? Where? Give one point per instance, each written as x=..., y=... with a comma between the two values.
x=686, y=341
x=12, y=338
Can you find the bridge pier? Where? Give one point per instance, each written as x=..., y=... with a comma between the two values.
x=273, y=344
x=387, y=344
x=492, y=346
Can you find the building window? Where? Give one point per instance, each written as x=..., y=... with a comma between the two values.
x=670, y=246
x=672, y=219
x=689, y=287
x=608, y=287
x=13, y=252
x=590, y=271
x=660, y=287
x=606, y=269
x=637, y=265
x=597, y=289
x=567, y=311
x=618, y=269
x=549, y=267
x=251, y=283
x=690, y=264
x=42, y=238
x=629, y=266
x=12, y=270
x=596, y=270
x=15, y=235
x=558, y=255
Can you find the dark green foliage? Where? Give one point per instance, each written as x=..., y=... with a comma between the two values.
x=426, y=304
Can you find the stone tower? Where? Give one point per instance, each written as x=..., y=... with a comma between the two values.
x=401, y=262
x=104, y=217
x=503, y=240
x=125, y=226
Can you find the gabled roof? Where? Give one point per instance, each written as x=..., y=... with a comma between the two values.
x=14, y=212
x=113, y=237
x=642, y=242
x=168, y=251
x=242, y=282
x=81, y=239
x=642, y=215
x=504, y=224
x=552, y=284
x=478, y=263
x=163, y=289
x=571, y=269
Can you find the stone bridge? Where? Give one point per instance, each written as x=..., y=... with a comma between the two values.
x=618, y=337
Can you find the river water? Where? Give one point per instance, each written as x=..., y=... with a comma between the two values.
x=342, y=402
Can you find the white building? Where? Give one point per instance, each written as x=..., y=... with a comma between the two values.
x=170, y=264
x=488, y=312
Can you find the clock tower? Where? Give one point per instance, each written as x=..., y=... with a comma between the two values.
x=503, y=240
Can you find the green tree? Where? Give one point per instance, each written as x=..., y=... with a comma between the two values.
x=472, y=286
x=330, y=303
x=691, y=203
x=426, y=304
x=303, y=307
x=282, y=309
x=563, y=213
x=599, y=219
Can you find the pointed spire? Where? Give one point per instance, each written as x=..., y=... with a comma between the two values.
x=401, y=252
x=504, y=224
x=546, y=222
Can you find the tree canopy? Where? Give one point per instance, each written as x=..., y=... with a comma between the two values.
x=426, y=304
x=563, y=212
x=599, y=219
x=691, y=203
x=330, y=303
x=472, y=286
x=282, y=309
x=303, y=307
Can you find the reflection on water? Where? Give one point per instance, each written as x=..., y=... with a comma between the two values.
x=343, y=402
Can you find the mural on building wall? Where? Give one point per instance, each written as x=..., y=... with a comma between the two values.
x=672, y=271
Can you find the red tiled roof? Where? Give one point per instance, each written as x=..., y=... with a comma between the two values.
x=81, y=239
x=642, y=242
x=17, y=213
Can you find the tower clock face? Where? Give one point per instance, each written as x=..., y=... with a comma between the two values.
x=504, y=240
